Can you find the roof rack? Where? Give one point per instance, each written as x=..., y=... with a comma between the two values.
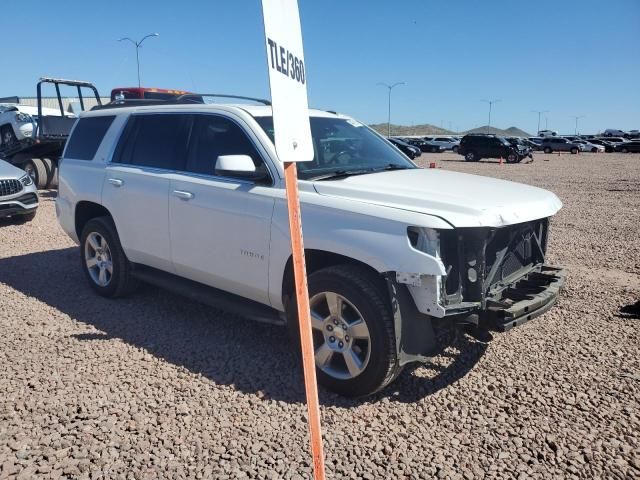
x=194, y=97
x=74, y=83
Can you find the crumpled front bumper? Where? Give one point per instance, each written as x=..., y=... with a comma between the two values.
x=527, y=299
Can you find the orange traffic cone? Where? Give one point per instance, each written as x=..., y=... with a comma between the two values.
x=432, y=165
x=501, y=161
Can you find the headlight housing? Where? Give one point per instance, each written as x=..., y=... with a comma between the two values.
x=424, y=239
x=26, y=180
x=23, y=118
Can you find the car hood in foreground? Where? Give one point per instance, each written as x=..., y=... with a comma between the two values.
x=461, y=199
x=8, y=171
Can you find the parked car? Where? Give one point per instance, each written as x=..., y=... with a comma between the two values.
x=193, y=199
x=478, y=146
x=447, y=143
x=627, y=147
x=608, y=146
x=406, y=148
x=559, y=144
x=424, y=145
x=614, y=140
x=634, y=134
x=589, y=147
x=524, y=142
x=547, y=133
x=18, y=194
x=18, y=122
x=614, y=132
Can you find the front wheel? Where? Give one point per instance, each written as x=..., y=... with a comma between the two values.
x=574, y=151
x=353, y=333
x=547, y=150
x=625, y=150
x=7, y=137
x=513, y=158
x=103, y=261
x=434, y=149
x=471, y=157
x=455, y=149
x=594, y=150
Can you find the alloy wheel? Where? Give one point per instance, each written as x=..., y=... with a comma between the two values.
x=341, y=337
x=97, y=255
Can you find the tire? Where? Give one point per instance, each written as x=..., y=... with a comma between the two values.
x=547, y=150
x=574, y=151
x=365, y=303
x=625, y=150
x=454, y=149
x=7, y=136
x=37, y=170
x=434, y=149
x=117, y=283
x=513, y=158
x=471, y=157
x=52, y=173
x=594, y=150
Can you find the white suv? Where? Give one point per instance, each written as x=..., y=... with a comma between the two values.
x=191, y=197
x=18, y=122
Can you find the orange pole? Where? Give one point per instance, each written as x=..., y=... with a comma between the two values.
x=304, y=319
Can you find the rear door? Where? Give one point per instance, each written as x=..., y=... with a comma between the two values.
x=136, y=185
x=220, y=225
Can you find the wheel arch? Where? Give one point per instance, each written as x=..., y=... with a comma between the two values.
x=85, y=211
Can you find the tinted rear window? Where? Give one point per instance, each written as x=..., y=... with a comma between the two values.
x=157, y=141
x=87, y=136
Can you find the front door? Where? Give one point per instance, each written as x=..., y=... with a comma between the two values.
x=220, y=225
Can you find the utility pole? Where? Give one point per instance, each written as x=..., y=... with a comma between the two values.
x=576, y=117
x=490, y=102
x=138, y=45
x=539, y=112
x=390, y=87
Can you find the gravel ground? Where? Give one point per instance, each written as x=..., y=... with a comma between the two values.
x=154, y=386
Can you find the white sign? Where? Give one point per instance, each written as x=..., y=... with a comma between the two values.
x=288, y=80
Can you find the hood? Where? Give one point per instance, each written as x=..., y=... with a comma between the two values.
x=461, y=199
x=8, y=171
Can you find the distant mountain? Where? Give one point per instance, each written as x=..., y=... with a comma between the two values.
x=509, y=132
x=408, y=131
x=427, y=129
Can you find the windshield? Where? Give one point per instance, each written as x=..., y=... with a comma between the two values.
x=344, y=146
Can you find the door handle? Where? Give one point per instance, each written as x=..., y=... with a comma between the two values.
x=116, y=182
x=183, y=195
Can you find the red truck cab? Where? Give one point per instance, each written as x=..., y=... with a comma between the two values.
x=145, y=93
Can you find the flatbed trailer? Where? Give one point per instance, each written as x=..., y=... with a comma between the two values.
x=40, y=154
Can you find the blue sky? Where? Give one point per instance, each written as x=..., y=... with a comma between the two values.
x=571, y=57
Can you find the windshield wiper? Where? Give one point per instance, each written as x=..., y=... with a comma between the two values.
x=340, y=174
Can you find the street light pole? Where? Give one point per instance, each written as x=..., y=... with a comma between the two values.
x=490, y=102
x=390, y=87
x=138, y=45
x=539, y=112
x=576, y=117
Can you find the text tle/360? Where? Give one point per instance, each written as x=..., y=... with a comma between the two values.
x=286, y=62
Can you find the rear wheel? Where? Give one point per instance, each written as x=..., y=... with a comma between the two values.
x=625, y=150
x=547, y=150
x=52, y=173
x=455, y=149
x=353, y=331
x=103, y=261
x=471, y=157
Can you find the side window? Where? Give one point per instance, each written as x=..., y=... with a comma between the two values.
x=87, y=137
x=154, y=140
x=213, y=136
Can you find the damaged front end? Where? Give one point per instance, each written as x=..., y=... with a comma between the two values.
x=496, y=279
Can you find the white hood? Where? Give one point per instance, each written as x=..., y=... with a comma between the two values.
x=461, y=199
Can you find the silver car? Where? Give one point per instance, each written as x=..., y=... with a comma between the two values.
x=18, y=194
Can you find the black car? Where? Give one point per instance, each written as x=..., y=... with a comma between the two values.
x=409, y=150
x=627, y=147
x=608, y=146
x=476, y=146
x=424, y=145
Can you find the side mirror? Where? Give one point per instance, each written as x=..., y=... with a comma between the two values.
x=237, y=165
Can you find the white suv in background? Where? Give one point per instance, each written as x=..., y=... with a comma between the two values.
x=18, y=122
x=446, y=143
x=191, y=197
